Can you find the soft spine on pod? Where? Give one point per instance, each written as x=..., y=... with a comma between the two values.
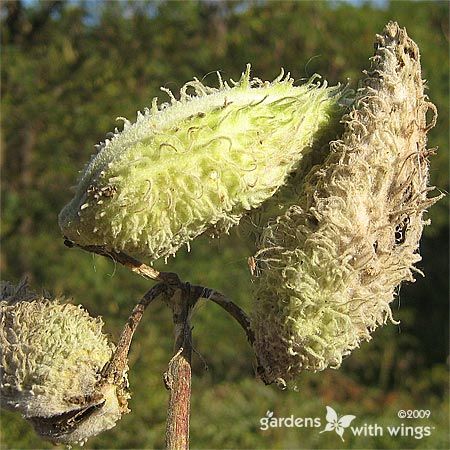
x=197, y=163
x=51, y=359
x=330, y=265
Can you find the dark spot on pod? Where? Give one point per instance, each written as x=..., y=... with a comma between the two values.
x=56, y=425
x=408, y=193
x=375, y=246
x=97, y=192
x=313, y=221
x=400, y=231
x=411, y=52
x=68, y=243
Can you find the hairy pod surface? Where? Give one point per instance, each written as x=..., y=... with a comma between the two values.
x=329, y=267
x=51, y=359
x=197, y=163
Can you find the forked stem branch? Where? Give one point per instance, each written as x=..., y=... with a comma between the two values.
x=181, y=297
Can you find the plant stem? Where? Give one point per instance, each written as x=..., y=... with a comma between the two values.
x=181, y=298
x=178, y=381
x=124, y=259
x=113, y=371
x=231, y=308
x=178, y=376
x=172, y=280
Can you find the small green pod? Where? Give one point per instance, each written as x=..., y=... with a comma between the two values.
x=196, y=163
x=330, y=266
x=51, y=359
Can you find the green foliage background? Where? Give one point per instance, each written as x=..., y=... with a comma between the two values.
x=70, y=68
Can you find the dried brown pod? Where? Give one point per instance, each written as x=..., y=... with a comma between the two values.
x=330, y=266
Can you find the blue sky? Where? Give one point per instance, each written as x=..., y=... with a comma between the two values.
x=380, y=3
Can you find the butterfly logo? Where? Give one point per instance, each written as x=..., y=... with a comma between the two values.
x=338, y=424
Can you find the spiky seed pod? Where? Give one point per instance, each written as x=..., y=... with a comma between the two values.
x=52, y=355
x=331, y=264
x=200, y=161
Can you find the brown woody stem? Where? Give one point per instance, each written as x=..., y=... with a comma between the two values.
x=178, y=376
x=128, y=261
x=181, y=298
x=173, y=281
x=231, y=308
x=113, y=372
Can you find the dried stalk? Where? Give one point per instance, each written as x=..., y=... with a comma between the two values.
x=181, y=297
x=231, y=308
x=113, y=371
x=172, y=279
x=131, y=263
x=178, y=376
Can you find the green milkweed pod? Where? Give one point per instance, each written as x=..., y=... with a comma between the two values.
x=51, y=360
x=196, y=163
x=330, y=265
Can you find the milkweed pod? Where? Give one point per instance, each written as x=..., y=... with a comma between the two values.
x=330, y=266
x=199, y=162
x=52, y=355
